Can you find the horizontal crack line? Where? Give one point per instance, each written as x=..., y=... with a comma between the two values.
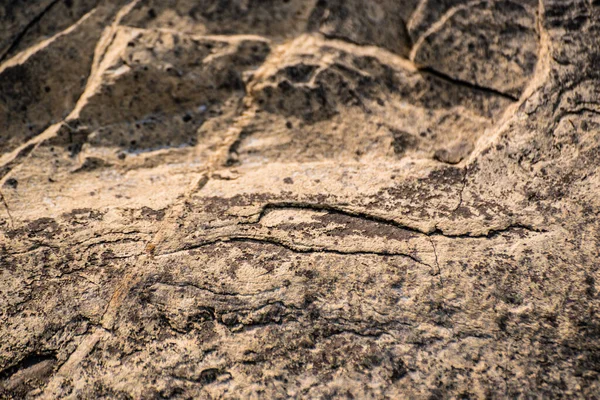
x=218, y=293
x=292, y=248
x=381, y=220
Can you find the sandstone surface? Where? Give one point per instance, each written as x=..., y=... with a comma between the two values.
x=299, y=199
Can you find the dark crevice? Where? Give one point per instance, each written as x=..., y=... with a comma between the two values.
x=233, y=151
x=212, y=291
x=472, y=86
x=307, y=249
x=332, y=209
x=28, y=361
x=294, y=248
x=373, y=218
x=30, y=25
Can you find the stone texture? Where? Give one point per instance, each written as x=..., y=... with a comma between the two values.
x=490, y=44
x=299, y=199
x=379, y=23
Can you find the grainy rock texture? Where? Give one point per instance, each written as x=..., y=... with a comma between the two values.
x=299, y=199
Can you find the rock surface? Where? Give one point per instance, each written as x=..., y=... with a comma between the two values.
x=299, y=198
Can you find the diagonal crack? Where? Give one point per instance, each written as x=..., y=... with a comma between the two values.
x=23, y=56
x=472, y=86
x=31, y=24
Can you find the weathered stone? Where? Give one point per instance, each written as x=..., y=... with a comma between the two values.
x=306, y=199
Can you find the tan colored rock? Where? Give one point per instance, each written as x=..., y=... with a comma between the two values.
x=299, y=199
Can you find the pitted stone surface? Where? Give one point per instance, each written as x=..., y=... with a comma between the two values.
x=299, y=199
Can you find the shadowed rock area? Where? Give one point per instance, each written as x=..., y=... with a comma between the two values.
x=299, y=199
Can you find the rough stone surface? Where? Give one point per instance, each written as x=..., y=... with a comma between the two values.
x=299, y=199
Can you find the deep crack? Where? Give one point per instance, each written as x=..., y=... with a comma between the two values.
x=472, y=86
x=31, y=24
x=293, y=248
x=373, y=218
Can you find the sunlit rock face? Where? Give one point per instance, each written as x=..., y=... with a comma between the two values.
x=299, y=199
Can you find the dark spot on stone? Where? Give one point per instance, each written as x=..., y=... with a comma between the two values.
x=208, y=376
x=402, y=141
x=300, y=73
x=590, y=282
x=398, y=371
x=74, y=149
x=288, y=181
x=157, y=215
x=45, y=227
x=12, y=183
x=584, y=126
x=502, y=320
